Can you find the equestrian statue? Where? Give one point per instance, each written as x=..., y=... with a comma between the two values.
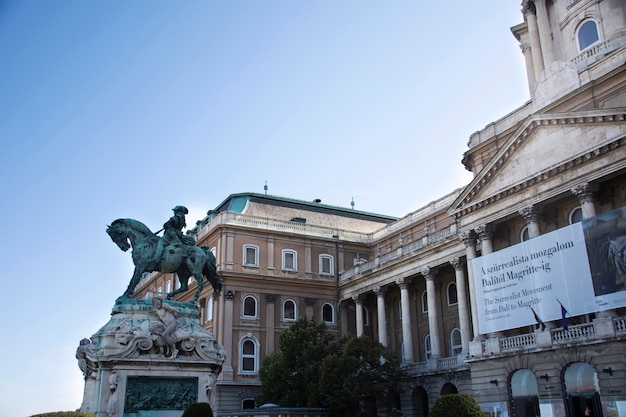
x=174, y=252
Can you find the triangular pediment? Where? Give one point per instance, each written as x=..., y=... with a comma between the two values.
x=543, y=146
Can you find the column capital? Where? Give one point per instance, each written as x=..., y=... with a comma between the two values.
x=358, y=299
x=469, y=238
x=378, y=290
x=403, y=283
x=456, y=263
x=429, y=273
x=484, y=231
x=309, y=301
x=528, y=6
x=270, y=298
x=230, y=294
x=585, y=192
x=530, y=213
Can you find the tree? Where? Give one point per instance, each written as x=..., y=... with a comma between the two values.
x=456, y=405
x=316, y=369
x=358, y=372
x=198, y=410
x=290, y=377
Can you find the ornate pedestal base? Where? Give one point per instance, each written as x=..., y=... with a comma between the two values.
x=149, y=359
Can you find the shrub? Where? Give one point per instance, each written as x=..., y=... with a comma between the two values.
x=198, y=410
x=456, y=405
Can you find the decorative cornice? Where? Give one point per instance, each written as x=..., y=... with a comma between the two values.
x=505, y=154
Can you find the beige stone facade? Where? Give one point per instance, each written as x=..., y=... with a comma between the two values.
x=408, y=283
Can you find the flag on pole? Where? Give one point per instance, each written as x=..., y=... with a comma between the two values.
x=563, y=313
x=537, y=319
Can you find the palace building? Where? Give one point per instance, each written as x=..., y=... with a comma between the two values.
x=511, y=288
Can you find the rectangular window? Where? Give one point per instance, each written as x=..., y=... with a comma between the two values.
x=250, y=255
x=326, y=265
x=289, y=260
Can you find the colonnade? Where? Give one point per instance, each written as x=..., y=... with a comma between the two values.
x=467, y=303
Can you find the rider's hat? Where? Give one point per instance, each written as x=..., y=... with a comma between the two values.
x=180, y=208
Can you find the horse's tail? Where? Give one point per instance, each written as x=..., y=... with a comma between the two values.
x=210, y=271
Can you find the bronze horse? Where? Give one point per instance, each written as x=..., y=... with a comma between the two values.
x=184, y=260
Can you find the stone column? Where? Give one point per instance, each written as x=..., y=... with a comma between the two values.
x=586, y=195
x=531, y=215
x=382, y=320
x=405, y=305
x=433, y=317
x=270, y=326
x=535, y=44
x=270, y=254
x=545, y=33
x=309, y=303
x=485, y=234
x=530, y=69
x=463, y=306
x=469, y=239
x=358, y=302
x=230, y=244
x=229, y=298
x=308, y=263
x=219, y=318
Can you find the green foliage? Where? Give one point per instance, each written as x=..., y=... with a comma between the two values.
x=456, y=405
x=198, y=410
x=65, y=414
x=290, y=378
x=315, y=369
x=357, y=372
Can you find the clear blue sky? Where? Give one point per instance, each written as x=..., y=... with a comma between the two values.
x=117, y=108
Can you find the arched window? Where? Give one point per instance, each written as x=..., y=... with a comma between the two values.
x=248, y=355
x=424, y=302
x=209, y=309
x=524, y=234
x=328, y=313
x=290, y=260
x=289, y=310
x=160, y=290
x=456, y=345
x=248, y=404
x=575, y=215
x=587, y=35
x=453, y=297
x=168, y=286
x=250, y=255
x=525, y=393
x=427, y=349
x=249, y=306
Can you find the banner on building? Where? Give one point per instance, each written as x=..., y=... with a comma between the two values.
x=581, y=267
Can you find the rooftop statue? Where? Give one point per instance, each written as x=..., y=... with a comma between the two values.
x=174, y=252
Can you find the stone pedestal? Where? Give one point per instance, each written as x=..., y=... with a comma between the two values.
x=149, y=361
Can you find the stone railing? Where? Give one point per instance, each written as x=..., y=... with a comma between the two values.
x=599, y=329
x=407, y=250
x=597, y=51
x=257, y=222
x=436, y=365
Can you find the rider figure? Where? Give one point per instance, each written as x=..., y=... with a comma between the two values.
x=173, y=231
